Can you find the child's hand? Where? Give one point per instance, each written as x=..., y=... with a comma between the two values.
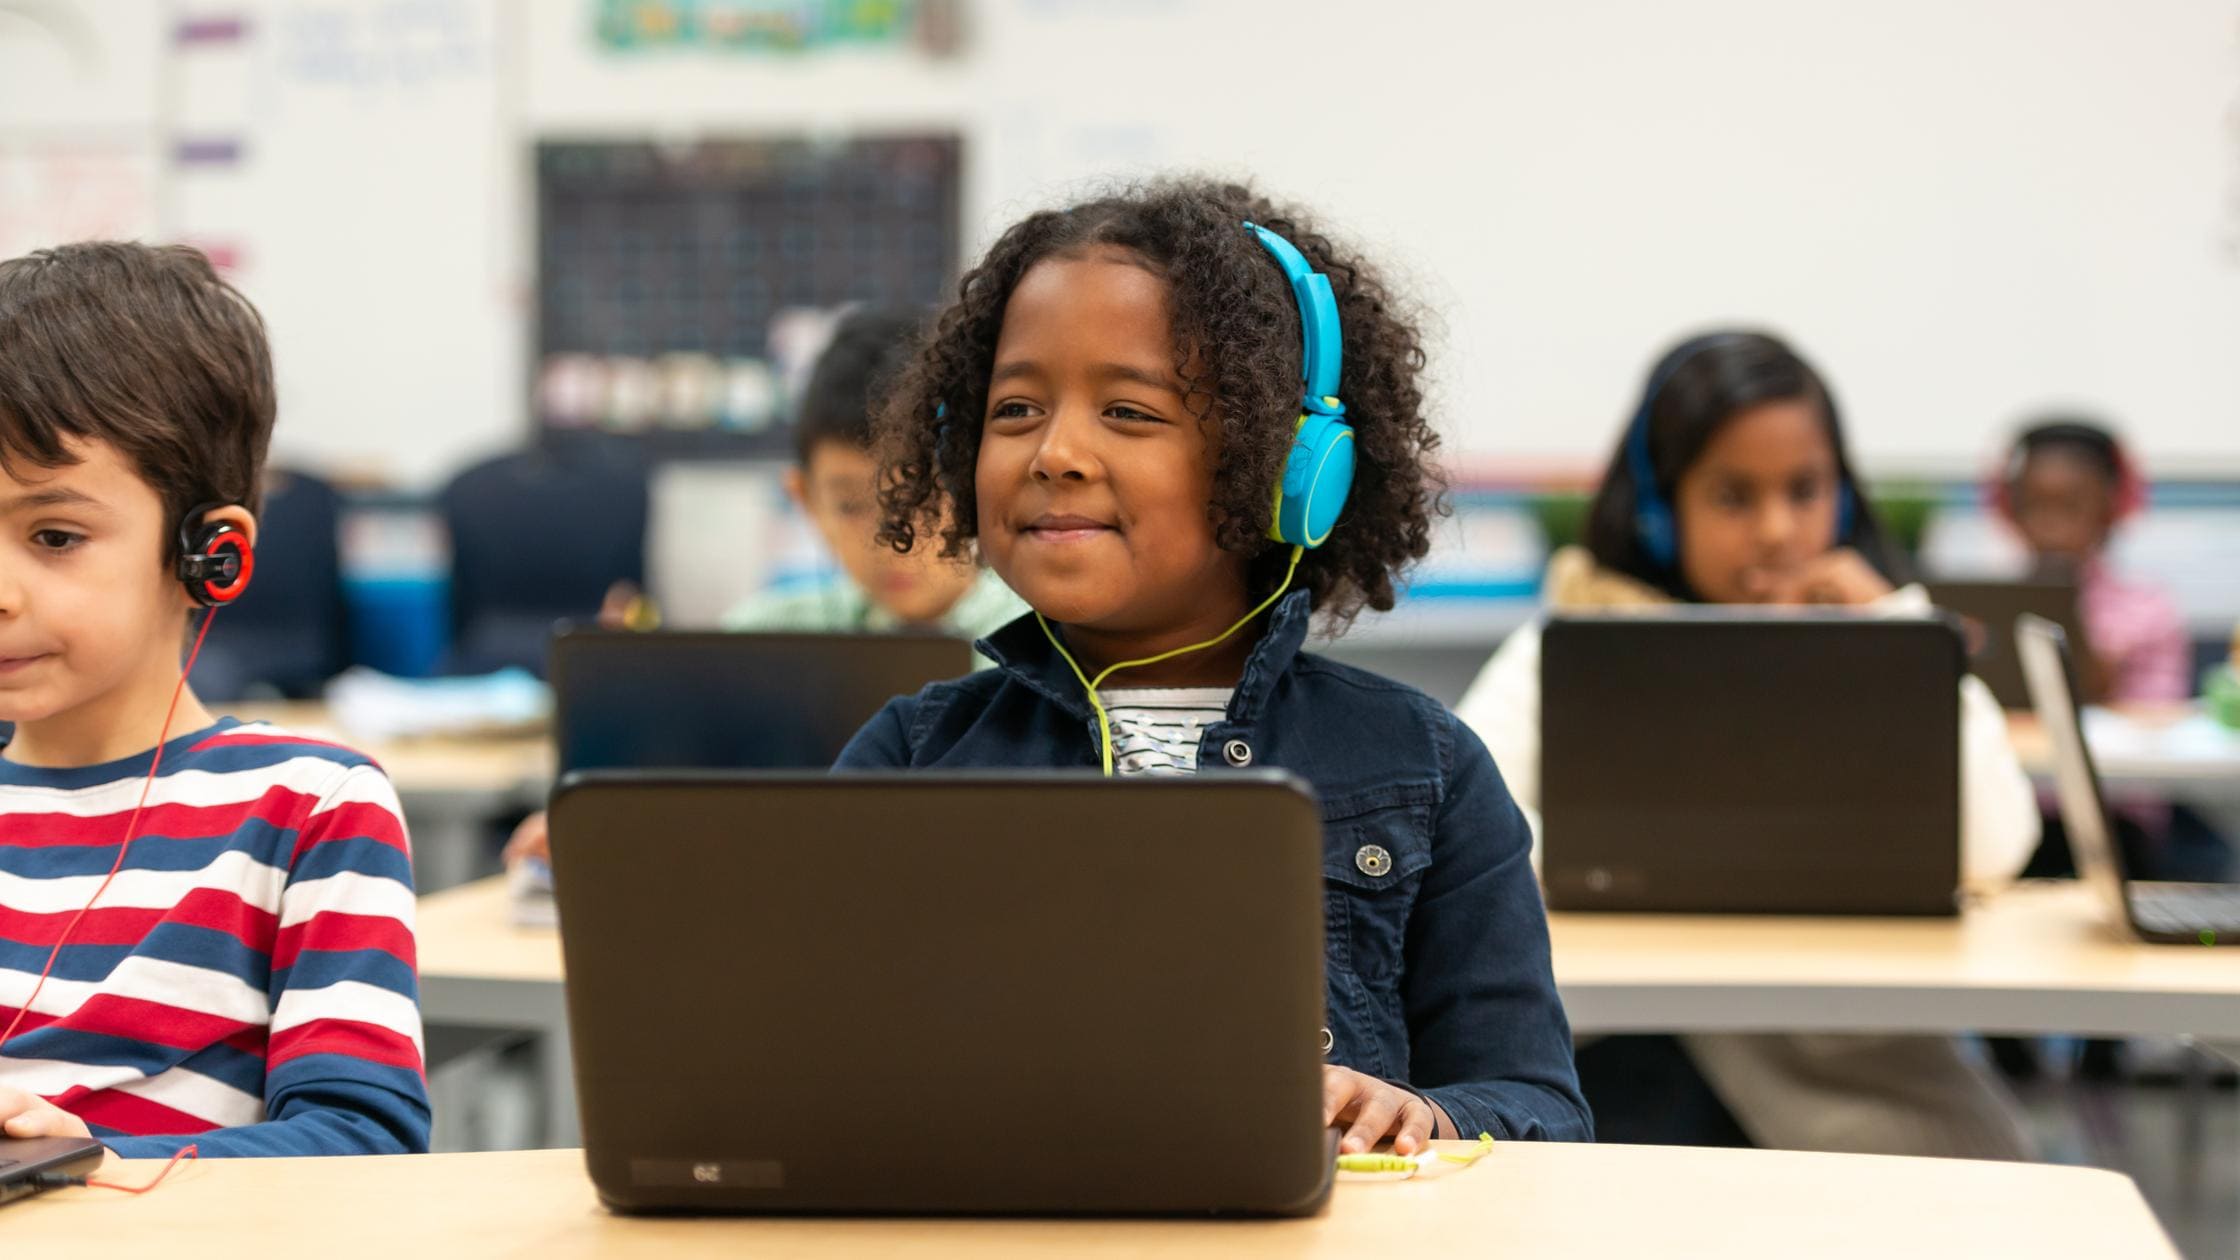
x=530, y=840
x=1842, y=576
x=1372, y=1109
x=25, y=1115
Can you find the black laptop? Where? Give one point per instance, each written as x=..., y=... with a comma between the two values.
x=1724, y=760
x=1988, y=611
x=927, y=993
x=2166, y=913
x=26, y=1162
x=689, y=699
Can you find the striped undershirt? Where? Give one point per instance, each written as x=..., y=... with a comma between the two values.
x=1155, y=730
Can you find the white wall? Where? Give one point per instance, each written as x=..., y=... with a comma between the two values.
x=1961, y=210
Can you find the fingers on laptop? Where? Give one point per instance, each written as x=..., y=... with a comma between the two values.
x=25, y=1115
x=1372, y=1110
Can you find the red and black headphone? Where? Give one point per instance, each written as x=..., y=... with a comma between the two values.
x=2130, y=488
x=215, y=559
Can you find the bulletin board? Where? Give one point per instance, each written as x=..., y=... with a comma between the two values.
x=680, y=287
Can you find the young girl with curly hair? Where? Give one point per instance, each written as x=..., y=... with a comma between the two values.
x=1107, y=411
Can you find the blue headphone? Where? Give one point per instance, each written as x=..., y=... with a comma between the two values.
x=1319, y=472
x=1653, y=522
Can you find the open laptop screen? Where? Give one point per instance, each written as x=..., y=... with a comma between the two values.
x=670, y=700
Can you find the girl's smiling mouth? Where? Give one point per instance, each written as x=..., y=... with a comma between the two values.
x=1052, y=527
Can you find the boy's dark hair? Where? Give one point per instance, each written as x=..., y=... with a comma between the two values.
x=2085, y=438
x=1237, y=351
x=142, y=347
x=1730, y=374
x=869, y=346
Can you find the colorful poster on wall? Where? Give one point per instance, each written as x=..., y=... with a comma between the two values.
x=776, y=26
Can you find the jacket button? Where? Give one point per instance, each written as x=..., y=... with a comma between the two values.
x=1328, y=1041
x=1237, y=753
x=1372, y=859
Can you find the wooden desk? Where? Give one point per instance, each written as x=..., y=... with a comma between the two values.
x=448, y=786
x=1524, y=1200
x=477, y=970
x=2035, y=959
x=503, y=767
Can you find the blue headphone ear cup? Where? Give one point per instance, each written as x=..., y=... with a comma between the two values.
x=1653, y=526
x=1317, y=478
x=1846, y=510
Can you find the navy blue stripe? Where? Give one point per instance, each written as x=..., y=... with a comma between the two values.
x=183, y=943
x=359, y=855
x=268, y=844
x=318, y=968
x=239, y=1069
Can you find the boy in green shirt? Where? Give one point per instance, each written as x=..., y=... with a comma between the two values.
x=831, y=481
x=878, y=589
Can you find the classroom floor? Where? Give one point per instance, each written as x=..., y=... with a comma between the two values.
x=2186, y=1158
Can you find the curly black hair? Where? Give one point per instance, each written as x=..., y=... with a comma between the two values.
x=1237, y=350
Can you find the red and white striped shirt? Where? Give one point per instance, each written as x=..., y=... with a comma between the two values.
x=248, y=981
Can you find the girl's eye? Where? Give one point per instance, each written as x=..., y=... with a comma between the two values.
x=57, y=539
x=1807, y=491
x=1122, y=411
x=1731, y=497
x=1011, y=410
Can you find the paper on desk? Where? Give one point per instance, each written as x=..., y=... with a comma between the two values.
x=2119, y=736
x=372, y=705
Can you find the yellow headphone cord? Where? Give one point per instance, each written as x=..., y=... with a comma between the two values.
x=1104, y=720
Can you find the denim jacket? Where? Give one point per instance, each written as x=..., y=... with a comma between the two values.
x=1437, y=945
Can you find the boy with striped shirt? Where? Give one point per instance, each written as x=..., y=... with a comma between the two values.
x=206, y=941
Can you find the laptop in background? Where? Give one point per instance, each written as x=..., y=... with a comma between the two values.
x=718, y=700
x=1727, y=760
x=946, y=993
x=2162, y=912
x=1988, y=611
x=671, y=699
x=23, y=1161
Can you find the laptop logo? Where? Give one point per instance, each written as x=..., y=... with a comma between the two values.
x=731, y=1174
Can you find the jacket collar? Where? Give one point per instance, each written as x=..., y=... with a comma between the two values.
x=1023, y=652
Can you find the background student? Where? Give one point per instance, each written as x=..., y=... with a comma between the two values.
x=1746, y=447
x=2066, y=485
x=833, y=481
x=1109, y=409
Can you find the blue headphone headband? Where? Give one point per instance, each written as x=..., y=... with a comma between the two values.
x=1319, y=472
x=1654, y=524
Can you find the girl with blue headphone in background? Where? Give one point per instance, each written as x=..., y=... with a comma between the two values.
x=1731, y=485
x=1181, y=424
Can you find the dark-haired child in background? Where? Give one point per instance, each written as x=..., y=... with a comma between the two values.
x=2066, y=486
x=1108, y=409
x=1745, y=444
x=833, y=482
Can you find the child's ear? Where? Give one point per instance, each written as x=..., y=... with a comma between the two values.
x=797, y=487
x=232, y=514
